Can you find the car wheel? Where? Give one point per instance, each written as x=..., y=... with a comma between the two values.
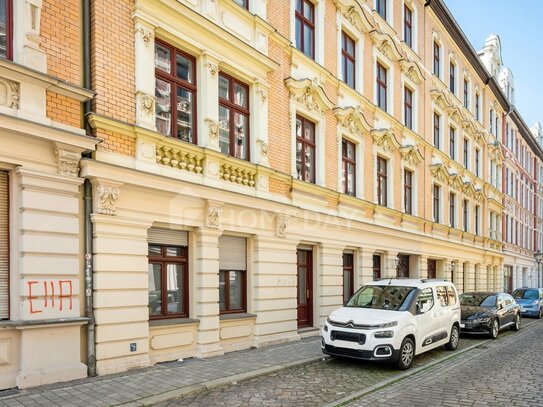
x=407, y=354
x=516, y=327
x=453, y=341
x=494, y=329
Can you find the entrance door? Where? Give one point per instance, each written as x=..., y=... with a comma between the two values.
x=432, y=266
x=305, y=288
x=402, y=269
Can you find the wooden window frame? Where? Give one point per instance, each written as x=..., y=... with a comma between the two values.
x=9, y=30
x=348, y=268
x=376, y=266
x=477, y=107
x=437, y=59
x=408, y=26
x=466, y=93
x=176, y=82
x=346, y=161
x=408, y=191
x=436, y=190
x=452, y=209
x=477, y=216
x=164, y=260
x=381, y=8
x=466, y=153
x=245, y=4
x=299, y=16
x=452, y=142
x=477, y=159
x=381, y=79
x=408, y=107
x=308, y=144
x=452, y=77
x=382, y=195
x=437, y=130
x=243, y=308
x=465, y=214
x=346, y=57
x=234, y=108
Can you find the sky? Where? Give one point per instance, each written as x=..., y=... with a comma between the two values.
x=520, y=27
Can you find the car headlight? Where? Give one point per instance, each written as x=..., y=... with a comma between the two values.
x=384, y=334
x=388, y=324
x=535, y=302
x=483, y=319
x=325, y=327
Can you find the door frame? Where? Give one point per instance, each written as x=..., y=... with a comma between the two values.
x=309, y=286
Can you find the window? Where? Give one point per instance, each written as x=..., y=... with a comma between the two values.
x=451, y=295
x=477, y=160
x=466, y=152
x=408, y=191
x=466, y=94
x=376, y=260
x=477, y=219
x=477, y=107
x=381, y=181
x=175, y=86
x=4, y=245
x=408, y=26
x=425, y=300
x=452, y=210
x=348, y=160
x=168, y=275
x=452, y=143
x=442, y=295
x=6, y=33
x=437, y=130
x=348, y=58
x=243, y=3
x=232, y=274
x=305, y=27
x=305, y=149
x=408, y=108
x=465, y=213
x=233, y=117
x=491, y=122
x=381, y=8
x=452, y=77
x=437, y=59
x=436, y=193
x=381, y=86
x=348, y=276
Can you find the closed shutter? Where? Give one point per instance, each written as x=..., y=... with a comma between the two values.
x=168, y=237
x=4, y=253
x=232, y=253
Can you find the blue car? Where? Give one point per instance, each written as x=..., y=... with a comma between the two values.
x=530, y=301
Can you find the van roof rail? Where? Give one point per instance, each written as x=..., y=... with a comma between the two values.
x=426, y=280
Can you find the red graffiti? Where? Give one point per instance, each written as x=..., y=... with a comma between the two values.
x=65, y=291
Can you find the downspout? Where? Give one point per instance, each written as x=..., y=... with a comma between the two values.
x=87, y=107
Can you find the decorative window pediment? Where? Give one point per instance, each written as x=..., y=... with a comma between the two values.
x=412, y=70
x=456, y=182
x=310, y=94
x=352, y=119
x=439, y=172
x=468, y=127
x=353, y=12
x=385, y=139
x=472, y=191
x=411, y=154
x=440, y=98
x=495, y=152
x=455, y=114
x=386, y=45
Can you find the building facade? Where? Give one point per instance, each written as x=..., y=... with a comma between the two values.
x=247, y=166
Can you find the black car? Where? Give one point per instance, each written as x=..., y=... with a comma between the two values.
x=488, y=313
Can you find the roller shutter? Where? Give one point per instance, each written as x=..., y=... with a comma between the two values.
x=232, y=253
x=4, y=252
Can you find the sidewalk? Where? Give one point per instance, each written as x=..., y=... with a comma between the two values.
x=168, y=380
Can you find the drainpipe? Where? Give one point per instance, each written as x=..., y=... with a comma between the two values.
x=87, y=106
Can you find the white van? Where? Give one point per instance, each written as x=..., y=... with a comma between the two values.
x=394, y=320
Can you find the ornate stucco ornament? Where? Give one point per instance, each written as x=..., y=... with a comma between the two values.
x=495, y=152
x=213, y=214
x=456, y=182
x=411, y=155
x=353, y=12
x=107, y=198
x=385, y=139
x=309, y=94
x=439, y=172
x=146, y=34
x=412, y=70
x=353, y=120
x=440, y=98
x=386, y=45
x=9, y=93
x=455, y=114
x=68, y=162
x=281, y=225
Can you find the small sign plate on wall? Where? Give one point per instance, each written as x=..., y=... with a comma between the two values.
x=133, y=347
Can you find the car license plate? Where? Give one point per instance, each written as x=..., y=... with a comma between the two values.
x=462, y=325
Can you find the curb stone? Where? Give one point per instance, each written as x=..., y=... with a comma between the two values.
x=212, y=384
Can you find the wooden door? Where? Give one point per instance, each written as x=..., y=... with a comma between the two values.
x=305, y=288
x=402, y=269
x=376, y=267
x=432, y=266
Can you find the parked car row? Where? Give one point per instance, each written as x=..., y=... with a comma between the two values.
x=396, y=319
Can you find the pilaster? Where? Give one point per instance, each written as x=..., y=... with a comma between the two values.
x=365, y=266
x=145, y=73
x=329, y=295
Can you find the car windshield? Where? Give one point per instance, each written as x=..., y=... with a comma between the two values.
x=478, y=300
x=386, y=297
x=526, y=294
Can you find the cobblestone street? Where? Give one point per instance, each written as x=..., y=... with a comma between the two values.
x=331, y=380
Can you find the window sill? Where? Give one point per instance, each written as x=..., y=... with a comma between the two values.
x=241, y=315
x=173, y=321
